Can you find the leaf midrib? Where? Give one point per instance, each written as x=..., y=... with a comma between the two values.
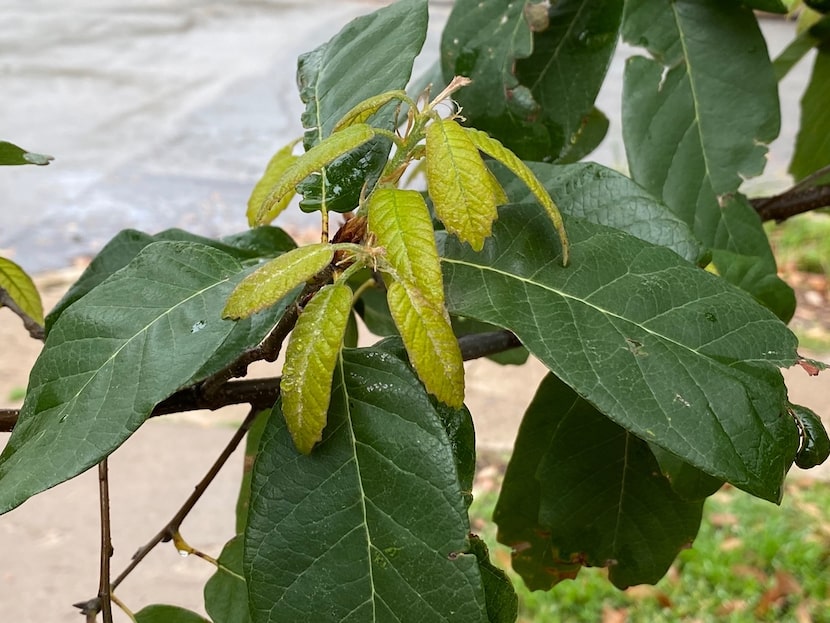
x=68, y=404
x=525, y=281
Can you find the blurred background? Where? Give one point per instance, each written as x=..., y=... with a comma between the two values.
x=163, y=114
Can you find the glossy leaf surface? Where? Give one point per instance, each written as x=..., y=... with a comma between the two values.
x=815, y=444
x=536, y=68
x=310, y=359
x=111, y=357
x=669, y=352
x=696, y=127
x=401, y=223
x=582, y=491
x=328, y=538
x=430, y=342
x=459, y=183
x=372, y=55
x=277, y=278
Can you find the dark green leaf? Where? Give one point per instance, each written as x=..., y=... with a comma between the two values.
x=798, y=48
x=351, y=336
x=589, y=134
x=815, y=444
x=167, y=614
x=502, y=602
x=696, y=127
x=812, y=147
x=374, y=311
x=226, y=594
x=755, y=277
x=111, y=357
x=260, y=242
x=582, y=491
x=371, y=525
x=666, y=350
x=535, y=73
x=483, y=40
x=771, y=6
x=371, y=55
x=252, y=441
x=345, y=178
x=600, y=195
x=568, y=65
x=11, y=154
x=687, y=481
x=458, y=424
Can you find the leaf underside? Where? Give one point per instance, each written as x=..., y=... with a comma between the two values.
x=582, y=491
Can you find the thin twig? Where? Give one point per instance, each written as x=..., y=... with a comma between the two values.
x=172, y=526
x=104, y=590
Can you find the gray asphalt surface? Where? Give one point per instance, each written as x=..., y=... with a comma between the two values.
x=163, y=114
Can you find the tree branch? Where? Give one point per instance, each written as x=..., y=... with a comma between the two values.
x=262, y=393
x=796, y=200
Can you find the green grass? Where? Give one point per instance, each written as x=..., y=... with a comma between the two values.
x=17, y=393
x=802, y=242
x=752, y=561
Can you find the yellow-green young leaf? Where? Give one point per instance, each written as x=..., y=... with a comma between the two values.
x=274, y=280
x=459, y=183
x=310, y=359
x=368, y=107
x=21, y=290
x=498, y=191
x=496, y=150
x=314, y=159
x=401, y=223
x=430, y=343
x=278, y=164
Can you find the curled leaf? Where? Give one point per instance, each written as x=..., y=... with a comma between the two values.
x=815, y=444
x=430, y=342
x=401, y=223
x=310, y=359
x=313, y=160
x=274, y=280
x=460, y=185
x=496, y=150
x=368, y=107
x=278, y=164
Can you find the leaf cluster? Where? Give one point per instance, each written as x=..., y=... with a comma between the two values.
x=653, y=300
